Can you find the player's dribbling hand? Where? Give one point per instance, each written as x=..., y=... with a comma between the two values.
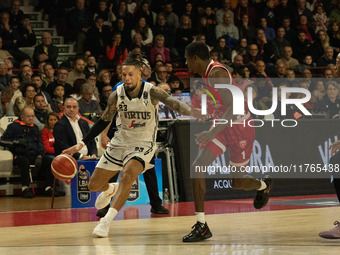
x=75, y=148
x=204, y=137
x=334, y=147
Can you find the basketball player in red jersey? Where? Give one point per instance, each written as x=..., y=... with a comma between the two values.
x=238, y=138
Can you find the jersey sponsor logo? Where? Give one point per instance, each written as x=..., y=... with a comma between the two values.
x=137, y=115
x=137, y=125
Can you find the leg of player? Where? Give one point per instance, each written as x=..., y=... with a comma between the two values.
x=99, y=182
x=129, y=174
x=200, y=230
x=263, y=188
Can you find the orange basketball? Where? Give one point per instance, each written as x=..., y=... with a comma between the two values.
x=64, y=167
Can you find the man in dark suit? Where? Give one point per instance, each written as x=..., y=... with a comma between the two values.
x=46, y=51
x=71, y=129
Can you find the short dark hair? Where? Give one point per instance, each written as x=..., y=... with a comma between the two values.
x=199, y=49
x=38, y=95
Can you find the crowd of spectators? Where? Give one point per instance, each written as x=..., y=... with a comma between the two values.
x=260, y=42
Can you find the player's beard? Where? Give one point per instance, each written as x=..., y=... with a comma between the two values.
x=131, y=88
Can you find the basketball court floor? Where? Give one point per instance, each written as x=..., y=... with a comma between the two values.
x=288, y=225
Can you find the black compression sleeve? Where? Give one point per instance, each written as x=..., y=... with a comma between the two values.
x=97, y=128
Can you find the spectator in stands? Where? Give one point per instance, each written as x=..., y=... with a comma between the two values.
x=328, y=73
x=92, y=80
x=330, y=102
x=104, y=95
x=29, y=91
x=138, y=46
x=252, y=55
x=303, y=10
x=142, y=28
x=224, y=53
x=122, y=13
x=260, y=69
x=225, y=9
x=49, y=74
x=41, y=111
x=279, y=42
x=290, y=74
x=335, y=13
x=268, y=31
x=41, y=87
x=4, y=53
x=47, y=134
x=320, y=86
x=124, y=31
x=27, y=35
x=171, y=17
x=266, y=49
x=10, y=37
x=71, y=129
x=291, y=33
x=104, y=78
x=105, y=12
x=160, y=75
x=280, y=70
x=4, y=77
x=285, y=10
x=334, y=36
x=207, y=30
x=287, y=58
x=5, y=101
x=26, y=75
x=162, y=28
x=184, y=35
x=175, y=84
x=41, y=70
x=320, y=18
x=46, y=51
x=57, y=103
x=159, y=49
x=88, y=107
x=243, y=8
x=322, y=41
x=264, y=90
x=145, y=12
x=10, y=67
x=227, y=28
x=77, y=72
x=62, y=75
x=115, y=51
x=240, y=49
x=327, y=57
x=304, y=26
x=268, y=15
x=247, y=30
x=14, y=84
x=91, y=65
x=97, y=37
x=15, y=14
x=307, y=75
x=302, y=47
x=79, y=20
x=24, y=141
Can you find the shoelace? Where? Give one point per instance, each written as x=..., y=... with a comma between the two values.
x=337, y=223
x=197, y=225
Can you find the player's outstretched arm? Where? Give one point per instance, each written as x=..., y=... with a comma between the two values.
x=158, y=94
x=99, y=126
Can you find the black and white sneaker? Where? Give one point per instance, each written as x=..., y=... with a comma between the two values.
x=200, y=232
x=262, y=196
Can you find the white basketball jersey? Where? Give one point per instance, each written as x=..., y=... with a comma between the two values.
x=138, y=117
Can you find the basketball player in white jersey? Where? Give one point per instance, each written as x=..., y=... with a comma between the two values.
x=133, y=145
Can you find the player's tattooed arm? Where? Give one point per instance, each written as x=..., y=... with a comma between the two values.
x=158, y=94
x=111, y=108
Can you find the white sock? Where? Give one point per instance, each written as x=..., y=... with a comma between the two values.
x=111, y=214
x=263, y=185
x=113, y=187
x=200, y=217
x=23, y=188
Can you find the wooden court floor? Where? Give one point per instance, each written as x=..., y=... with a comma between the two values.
x=291, y=231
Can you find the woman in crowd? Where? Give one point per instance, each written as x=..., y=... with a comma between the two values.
x=47, y=134
x=159, y=49
x=224, y=53
x=240, y=49
x=144, y=30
